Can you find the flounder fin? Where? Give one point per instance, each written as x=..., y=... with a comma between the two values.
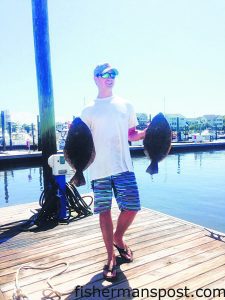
x=153, y=168
x=78, y=179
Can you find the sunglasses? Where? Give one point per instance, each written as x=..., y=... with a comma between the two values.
x=107, y=75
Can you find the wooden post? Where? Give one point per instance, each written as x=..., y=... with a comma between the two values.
x=39, y=134
x=44, y=84
x=178, y=130
x=3, y=130
x=32, y=132
x=10, y=134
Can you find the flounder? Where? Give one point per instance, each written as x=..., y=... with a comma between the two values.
x=157, y=141
x=79, y=150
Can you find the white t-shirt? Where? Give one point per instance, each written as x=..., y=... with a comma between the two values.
x=109, y=120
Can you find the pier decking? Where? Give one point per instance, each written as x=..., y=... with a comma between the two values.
x=169, y=254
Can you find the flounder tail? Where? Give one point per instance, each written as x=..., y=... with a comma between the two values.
x=153, y=168
x=78, y=179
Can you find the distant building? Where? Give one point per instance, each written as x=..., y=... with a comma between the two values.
x=176, y=121
x=6, y=117
x=142, y=120
x=62, y=126
x=213, y=121
x=194, y=121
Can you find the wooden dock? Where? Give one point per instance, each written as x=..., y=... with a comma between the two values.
x=171, y=257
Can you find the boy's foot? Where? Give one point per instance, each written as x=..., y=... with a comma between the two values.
x=126, y=253
x=109, y=271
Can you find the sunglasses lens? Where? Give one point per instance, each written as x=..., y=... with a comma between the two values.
x=108, y=75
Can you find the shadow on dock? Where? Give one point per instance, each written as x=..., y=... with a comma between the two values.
x=10, y=230
x=97, y=287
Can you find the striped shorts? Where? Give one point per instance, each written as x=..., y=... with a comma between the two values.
x=124, y=187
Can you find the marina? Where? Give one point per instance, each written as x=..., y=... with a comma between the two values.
x=171, y=256
x=189, y=185
x=25, y=156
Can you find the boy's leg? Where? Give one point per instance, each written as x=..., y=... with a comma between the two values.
x=102, y=189
x=127, y=196
x=124, y=221
x=106, y=225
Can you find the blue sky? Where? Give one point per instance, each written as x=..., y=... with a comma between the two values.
x=170, y=54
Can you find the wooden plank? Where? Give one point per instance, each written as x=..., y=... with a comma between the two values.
x=144, y=279
x=217, y=288
x=72, y=254
x=85, y=239
x=169, y=277
x=96, y=280
x=76, y=234
x=90, y=264
x=212, y=284
x=102, y=249
x=168, y=253
x=76, y=225
x=29, y=239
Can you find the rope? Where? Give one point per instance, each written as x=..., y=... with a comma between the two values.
x=76, y=202
x=50, y=206
x=50, y=292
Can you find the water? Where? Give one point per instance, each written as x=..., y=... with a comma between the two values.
x=24, y=185
x=189, y=186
